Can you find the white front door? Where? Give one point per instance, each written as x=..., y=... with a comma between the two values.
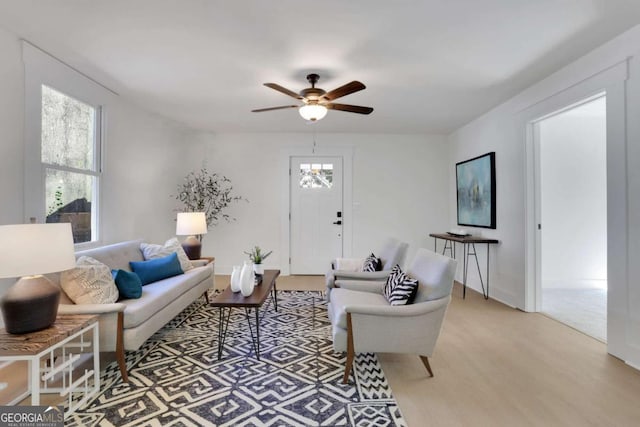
x=316, y=213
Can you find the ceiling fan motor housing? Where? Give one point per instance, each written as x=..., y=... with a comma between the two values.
x=312, y=94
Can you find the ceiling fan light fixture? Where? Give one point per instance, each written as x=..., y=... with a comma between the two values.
x=313, y=112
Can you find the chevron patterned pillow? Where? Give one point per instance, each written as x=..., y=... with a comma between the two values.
x=400, y=289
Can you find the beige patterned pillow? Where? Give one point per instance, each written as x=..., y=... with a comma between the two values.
x=151, y=251
x=90, y=282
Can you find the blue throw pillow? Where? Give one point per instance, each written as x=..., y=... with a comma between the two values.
x=128, y=284
x=157, y=269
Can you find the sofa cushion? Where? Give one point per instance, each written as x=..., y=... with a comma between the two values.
x=157, y=269
x=341, y=298
x=90, y=282
x=128, y=283
x=157, y=295
x=348, y=264
x=152, y=251
x=116, y=256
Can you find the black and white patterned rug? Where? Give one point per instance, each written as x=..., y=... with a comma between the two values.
x=175, y=379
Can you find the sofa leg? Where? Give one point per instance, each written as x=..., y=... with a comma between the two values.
x=425, y=361
x=120, y=348
x=206, y=296
x=350, y=350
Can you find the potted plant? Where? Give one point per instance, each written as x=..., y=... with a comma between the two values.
x=211, y=193
x=256, y=255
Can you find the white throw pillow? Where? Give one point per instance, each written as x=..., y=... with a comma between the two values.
x=151, y=251
x=90, y=282
x=349, y=264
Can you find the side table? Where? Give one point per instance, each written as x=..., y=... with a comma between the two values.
x=51, y=354
x=203, y=261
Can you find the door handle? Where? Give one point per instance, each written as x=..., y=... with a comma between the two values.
x=337, y=222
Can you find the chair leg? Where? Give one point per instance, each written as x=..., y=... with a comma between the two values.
x=206, y=296
x=350, y=350
x=120, y=348
x=425, y=361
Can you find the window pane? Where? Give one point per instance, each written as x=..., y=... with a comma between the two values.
x=68, y=197
x=316, y=176
x=68, y=130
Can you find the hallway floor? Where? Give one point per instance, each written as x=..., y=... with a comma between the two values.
x=583, y=309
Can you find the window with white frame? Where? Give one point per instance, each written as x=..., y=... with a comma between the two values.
x=63, y=138
x=316, y=175
x=70, y=156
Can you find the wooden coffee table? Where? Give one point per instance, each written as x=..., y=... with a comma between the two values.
x=227, y=301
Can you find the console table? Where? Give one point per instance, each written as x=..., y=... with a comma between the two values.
x=51, y=354
x=469, y=249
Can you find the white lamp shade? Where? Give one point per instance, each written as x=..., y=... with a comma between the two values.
x=31, y=249
x=313, y=112
x=191, y=224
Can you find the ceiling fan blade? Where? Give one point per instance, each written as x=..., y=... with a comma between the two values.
x=347, y=89
x=260, y=110
x=350, y=108
x=284, y=90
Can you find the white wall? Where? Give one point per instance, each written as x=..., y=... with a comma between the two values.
x=397, y=191
x=145, y=157
x=11, y=134
x=574, y=196
x=502, y=130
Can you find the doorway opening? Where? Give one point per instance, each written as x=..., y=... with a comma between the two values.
x=571, y=213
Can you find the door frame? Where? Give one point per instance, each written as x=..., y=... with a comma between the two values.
x=610, y=81
x=534, y=134
x=346, y=153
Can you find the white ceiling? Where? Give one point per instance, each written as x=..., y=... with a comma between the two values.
x=430, y=66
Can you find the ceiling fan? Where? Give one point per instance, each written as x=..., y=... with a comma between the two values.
x=317, y=101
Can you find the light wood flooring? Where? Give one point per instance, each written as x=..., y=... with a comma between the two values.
x=498, y=366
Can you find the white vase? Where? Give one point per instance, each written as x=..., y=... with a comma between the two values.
x=258, y=268
x=247, y=277
x=235, y=278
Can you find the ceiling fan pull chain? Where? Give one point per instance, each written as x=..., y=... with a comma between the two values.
x=313, y=149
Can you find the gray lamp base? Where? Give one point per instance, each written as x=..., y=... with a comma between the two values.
x=192, y=247
x=30, y=305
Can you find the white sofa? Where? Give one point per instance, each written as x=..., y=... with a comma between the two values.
x=127, y=324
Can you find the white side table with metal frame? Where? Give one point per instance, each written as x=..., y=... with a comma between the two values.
x=52, y=354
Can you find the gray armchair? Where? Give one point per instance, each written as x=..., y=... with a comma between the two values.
x=393, y=252
x=364, y=322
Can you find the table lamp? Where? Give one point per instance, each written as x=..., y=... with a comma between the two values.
x=29, y=251
x=191, y=224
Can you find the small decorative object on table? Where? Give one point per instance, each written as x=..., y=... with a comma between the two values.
x=247, y=279
x=460, y=232
x=235, y=278
x=257, y=256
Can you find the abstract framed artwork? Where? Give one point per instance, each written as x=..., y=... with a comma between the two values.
x=476, y=191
